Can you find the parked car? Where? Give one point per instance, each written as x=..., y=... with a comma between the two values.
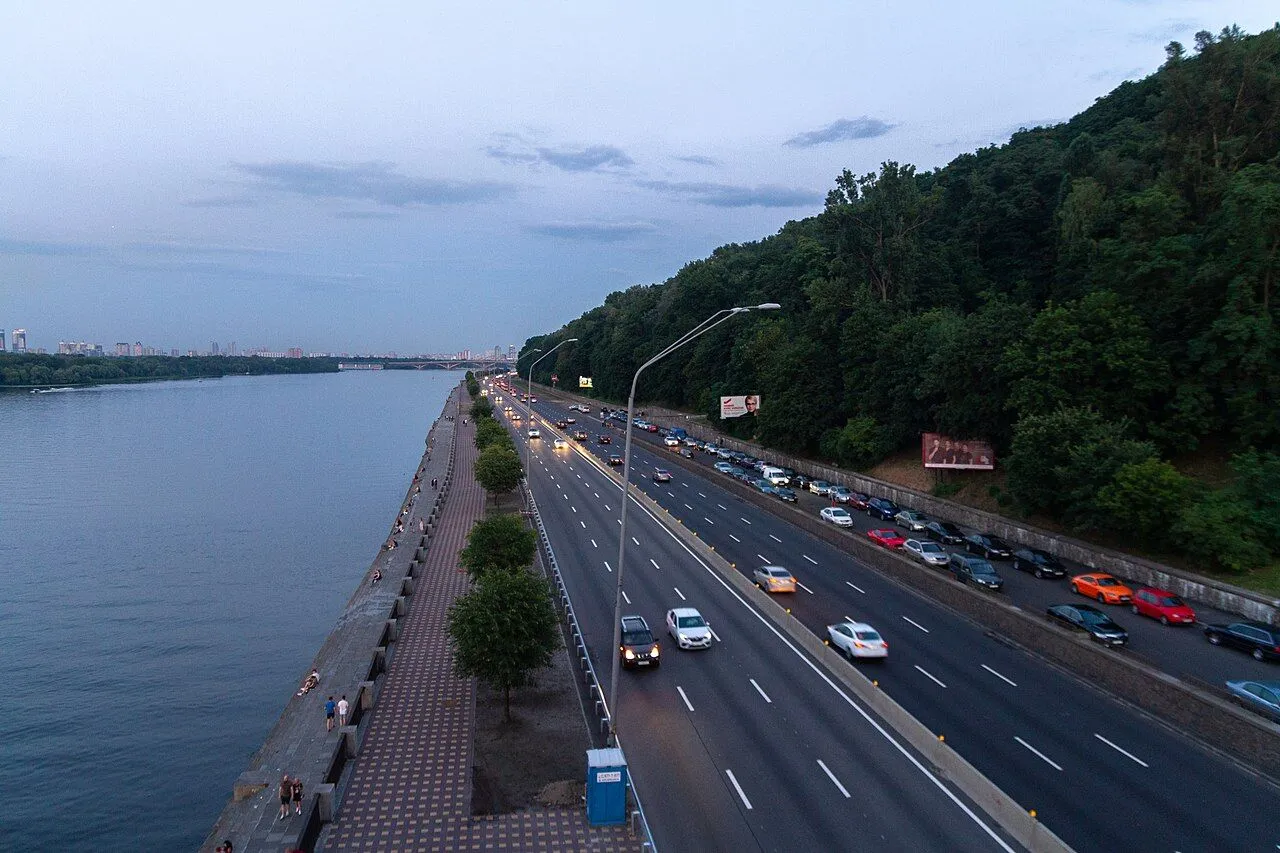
x=858, y=500
x=763, y=485
x=687, y=627
x=615, y=459
x=910, y=519
x=671, y=441
x=800, y=481
x=929, y=553
x=639, y=647
x=785, y=494
x=774, y=579
x=661, y=475
x=944, y=532
x=837, y=515
x=1257, y=638
x=1260, y=696
x=1163, y=605
x=1042, y=564
x=988, y=546
x=1084, y=617
x=1103, y=587
x=821, y=488
x=857, y=640
x=723, y=467
x=886, y=537
x=882, y=508
x=975, y=570
x=840, y=493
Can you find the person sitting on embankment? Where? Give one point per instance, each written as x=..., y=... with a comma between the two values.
x=309, y=682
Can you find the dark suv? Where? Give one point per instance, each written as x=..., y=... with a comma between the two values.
x=639, y=647
x=976, y=571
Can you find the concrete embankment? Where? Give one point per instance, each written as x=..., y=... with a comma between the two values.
x=351, y=662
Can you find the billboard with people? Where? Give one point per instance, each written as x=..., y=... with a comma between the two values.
x=736, y=407
x=584, y=381
x=940, y=451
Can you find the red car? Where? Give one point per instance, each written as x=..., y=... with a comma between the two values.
x=887, y=537
x=1163, y=605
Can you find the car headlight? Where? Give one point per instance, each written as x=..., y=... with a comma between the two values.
x=654, y=652
x=630, y=655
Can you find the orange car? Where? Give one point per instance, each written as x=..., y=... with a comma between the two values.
x=1103, y=587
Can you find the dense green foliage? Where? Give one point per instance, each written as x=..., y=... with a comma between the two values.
x=498, y=469
x=19, y=369
x=1093, y=298
x=497, y=543
x=473, y=385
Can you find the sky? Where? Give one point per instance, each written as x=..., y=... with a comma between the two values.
x=428, y=176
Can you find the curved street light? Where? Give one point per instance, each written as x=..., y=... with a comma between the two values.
x=528, y=398
x=700, y=329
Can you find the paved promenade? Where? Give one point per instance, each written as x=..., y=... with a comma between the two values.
x=411, y=786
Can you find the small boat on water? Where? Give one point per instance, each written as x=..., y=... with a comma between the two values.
x=49, y=390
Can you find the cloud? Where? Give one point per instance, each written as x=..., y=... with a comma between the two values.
x=598, y=232
x=1165, y=32
x=178, y=247
x=698, y=160
x=366, y=214
x=373, y=181
x=222, y=201
x=514, y=149
x=841, y=130
x=729, y=195
x=37, y=247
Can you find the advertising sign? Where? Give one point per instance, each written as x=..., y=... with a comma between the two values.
x=736, y=407
x=939, y=451
x=584, y=381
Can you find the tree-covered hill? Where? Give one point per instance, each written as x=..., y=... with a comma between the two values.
x=1094, y=298
x=19, y=370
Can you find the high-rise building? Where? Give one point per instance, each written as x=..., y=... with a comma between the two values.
x=174, y=352
x=137, y=348
x=231, y=348
x=1, y=340
x=213, y=347
x=294, y=352
x=511, y=353
x=19, y=340
x=122, y=348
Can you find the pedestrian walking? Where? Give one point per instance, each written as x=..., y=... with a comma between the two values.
x=434, y=482
x=286, y=791
x=297, y=796
x=330, y=708
x=344, y=708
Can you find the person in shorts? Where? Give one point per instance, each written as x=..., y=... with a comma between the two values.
x=330, y=708
x=297, y=796
x=344, y=708
x=286, y=792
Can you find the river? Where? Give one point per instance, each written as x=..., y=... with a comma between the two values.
x=172, y=556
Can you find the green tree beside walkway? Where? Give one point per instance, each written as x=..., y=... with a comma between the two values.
x=498, y=469
x=497, y=543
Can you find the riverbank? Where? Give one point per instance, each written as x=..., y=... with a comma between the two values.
x=28, y=371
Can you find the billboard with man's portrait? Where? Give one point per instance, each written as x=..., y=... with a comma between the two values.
x=736, y=407
x=940, y=451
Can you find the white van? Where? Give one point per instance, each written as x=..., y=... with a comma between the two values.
x=775, y=475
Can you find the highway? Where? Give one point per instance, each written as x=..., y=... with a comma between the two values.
x=1101, y=775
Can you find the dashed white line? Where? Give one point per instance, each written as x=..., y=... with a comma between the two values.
x=606, y=509
x=701, y=495
x=723, y=507
x=744, y=521
x=654, y=563
x=738, y=788
x=760, y=690
x=687, y=703
x=930, y=676
x=584, y=526
x=1047, y=759
x=734, y=538
x=593, y=544
x=572, y=507
x=679, y=593
x=833, y=778
x=914, y=622
x=864, y=592
x=708, y=521
x=1123, y=752
x=635, y=540
x=1010, y=682
x=597, y=494
x=764, y=559
x=805, y=588
x=673, y=494
x=686, y=485
x=810, y=559
x=775, y=538
x=607, y=566
x=626, y=597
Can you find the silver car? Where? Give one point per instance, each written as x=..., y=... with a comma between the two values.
x=929, y=553
x=912, y=520
x=1261, y=696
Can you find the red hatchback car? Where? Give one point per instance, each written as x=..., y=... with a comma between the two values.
x=1163, y=605
x=887, y=537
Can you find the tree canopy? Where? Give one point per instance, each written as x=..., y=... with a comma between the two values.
x=498, y=469
x=498, y=543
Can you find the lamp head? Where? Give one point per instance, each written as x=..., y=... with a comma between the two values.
x=768, y=306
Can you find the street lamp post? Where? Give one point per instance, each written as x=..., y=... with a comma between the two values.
x=528, y=398
x=702, y=328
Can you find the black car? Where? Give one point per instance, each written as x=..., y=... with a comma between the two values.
x=1257, y=638
x=1084, y=617
x=944, y=532
x=800, y=481
x=988, y=546
x=978, y=572
x=883, y=508
x=615, y=459
x=639, y=648
x=785, y=494
x=605, y=439
x=1042, y=564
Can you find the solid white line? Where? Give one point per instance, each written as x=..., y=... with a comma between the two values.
x=584, y=527
x=708, y=521
x=864, y=592
x=810, y=559
x=1123, y=752
x=734, y=538
x=929, y=676
x=744, y=521
x=833, y=778
x=655, y=563
x=687, y=703
x=738, y=788
x=714, y=635
x=917, y=624
x=679, y=593
x=635, y=540
x=723, y=507
x=999, y=676
x=626, y=597
x=607, y=566
x=760, y=690
x=764, y=559
x=593, y=544
x=774, y=538
x=1046, y=758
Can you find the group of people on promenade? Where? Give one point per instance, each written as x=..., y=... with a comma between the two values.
x=340, y=708
x=290, y=791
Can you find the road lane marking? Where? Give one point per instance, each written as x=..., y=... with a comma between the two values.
x=687, y=703
x=913, y=622
x=708, y=521
x=738, y=788
x=626, y=597
x=1123, y=752
x=744, y=521
x=701, y=495
x=810, y=559
x=597, y=494
x=760, y=690
x=584, y=524
x=606, y=508
x=764, y=559
x=864, y=592
x=775, y=538
x=673, y=494
x=635, y=540
x=566, y=496
x=833, y=778
x=686, y=485
x=572, y=507
x=686, y=506
x=679, y=593
x=714, y=635
x=999, y=676
x=805, y=588
x=607, y=566
x=1045, y=758
x=734, y=538
x=931, y=677
x=723, y=507
x=655, y=564
x=593, y=544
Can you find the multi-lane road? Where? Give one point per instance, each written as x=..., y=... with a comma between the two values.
x=750, y=744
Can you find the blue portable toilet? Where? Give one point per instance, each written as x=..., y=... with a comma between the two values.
x=606, y=787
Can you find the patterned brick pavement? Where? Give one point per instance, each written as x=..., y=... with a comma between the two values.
x=411, y=786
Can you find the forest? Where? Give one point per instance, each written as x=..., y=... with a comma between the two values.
x=1098, y=299
x=27, y=369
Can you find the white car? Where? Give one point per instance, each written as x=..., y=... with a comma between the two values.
x=837, y=515
x=687, y=627
x=774, y=579
x=535, y=433
x=669, y=441
x=560, y=444
x=929, y=553
x=570, y=420
x=857, y=640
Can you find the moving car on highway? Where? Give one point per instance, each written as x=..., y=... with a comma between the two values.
x=1103, y=587
x=858, y=640
x=1257, y=638
x=837, y=515
x=615, y=459
x=687, y=627
x=1084, y=617
x=560, y=444
x=661, y=475
x=534, y=432
x=774, y=579
x=639, y=648
x=929, y=553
